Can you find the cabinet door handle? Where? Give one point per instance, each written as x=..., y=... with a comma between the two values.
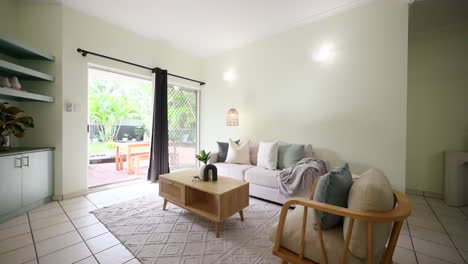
x=18, y=163
x=25, y=161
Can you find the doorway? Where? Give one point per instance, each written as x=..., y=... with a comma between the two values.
x=120, y=121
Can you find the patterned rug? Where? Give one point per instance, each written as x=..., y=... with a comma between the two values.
x=177, y=236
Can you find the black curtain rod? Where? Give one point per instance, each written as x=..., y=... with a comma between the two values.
x=86, y=52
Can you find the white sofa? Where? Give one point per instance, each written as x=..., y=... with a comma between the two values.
x=262, y=182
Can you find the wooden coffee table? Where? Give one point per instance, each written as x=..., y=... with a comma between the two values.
x=213, y=200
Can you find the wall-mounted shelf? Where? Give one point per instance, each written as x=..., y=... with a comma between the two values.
x=20, y=50
x=11, y=69
x=19, y=95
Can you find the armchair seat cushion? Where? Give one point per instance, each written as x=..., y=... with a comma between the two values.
x=333, y=238
x=262, y=176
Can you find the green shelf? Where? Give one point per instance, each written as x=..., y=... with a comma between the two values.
x=20, y=95
x=11, y=69
x=20, y=50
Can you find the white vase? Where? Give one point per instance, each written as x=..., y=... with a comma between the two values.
x=4, y=82
x=15, y=83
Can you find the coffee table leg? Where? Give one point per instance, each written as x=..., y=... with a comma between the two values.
x=241, y=214
x=164, y=204
x=217, y=230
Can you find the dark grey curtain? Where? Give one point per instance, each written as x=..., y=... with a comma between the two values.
x=159, y=152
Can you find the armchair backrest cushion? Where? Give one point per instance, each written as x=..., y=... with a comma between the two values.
x=333, y=188
x=371, y=192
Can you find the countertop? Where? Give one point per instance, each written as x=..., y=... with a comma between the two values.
x=18, y=151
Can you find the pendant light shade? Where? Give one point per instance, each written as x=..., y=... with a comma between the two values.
x=232, y=117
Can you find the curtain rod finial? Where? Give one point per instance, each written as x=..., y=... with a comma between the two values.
x=83, y=53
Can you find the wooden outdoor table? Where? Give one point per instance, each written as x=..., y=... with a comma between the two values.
x=129, y=146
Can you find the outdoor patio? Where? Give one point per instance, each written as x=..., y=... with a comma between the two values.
x=105, y=173
x=100, y=174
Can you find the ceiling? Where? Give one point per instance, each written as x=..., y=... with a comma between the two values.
x=207, y=27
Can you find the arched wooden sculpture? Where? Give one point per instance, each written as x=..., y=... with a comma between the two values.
x=206, y=170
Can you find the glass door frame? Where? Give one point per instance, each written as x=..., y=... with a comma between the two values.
x=198, y=91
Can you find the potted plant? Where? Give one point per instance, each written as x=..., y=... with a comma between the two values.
x=12, y=122
x=139, y=132
x=207, y=171
x=203, y=156
x=125, y=137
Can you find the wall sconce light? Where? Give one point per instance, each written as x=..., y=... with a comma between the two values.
x=229, y=75
x=232, y=117
x=324, y=53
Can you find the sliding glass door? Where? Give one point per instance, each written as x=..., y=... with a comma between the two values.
x=183, y=127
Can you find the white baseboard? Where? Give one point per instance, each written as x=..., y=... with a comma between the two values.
x=425, y=193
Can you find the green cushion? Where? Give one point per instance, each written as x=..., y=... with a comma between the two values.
x=289, y=154
x=333, y=188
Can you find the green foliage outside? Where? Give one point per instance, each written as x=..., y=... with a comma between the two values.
x=108, y=106
x=109, y=147
x=112, y=101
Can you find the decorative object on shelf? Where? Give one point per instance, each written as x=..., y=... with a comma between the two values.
x=12, y=122
x=232, y=117
x=15, y=83
x=5, y=82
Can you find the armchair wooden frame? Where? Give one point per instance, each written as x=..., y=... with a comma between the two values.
x=401, y=210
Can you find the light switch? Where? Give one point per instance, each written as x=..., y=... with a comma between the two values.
x=69, y=107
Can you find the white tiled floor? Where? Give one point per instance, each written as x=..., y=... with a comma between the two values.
x=65, y=232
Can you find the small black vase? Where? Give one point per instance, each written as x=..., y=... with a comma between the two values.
x=208, y=169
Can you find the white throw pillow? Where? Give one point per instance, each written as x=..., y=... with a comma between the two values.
x=267, y=155
x=239, y=154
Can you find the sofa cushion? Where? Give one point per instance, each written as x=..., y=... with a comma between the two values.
x=253, y=152
x=333, y=188
x=268, y=155
x=308, y=151
x=263, y=177
x=371, y=192
x=235, y=171
x=223, y=150
x=332, y=238
x=239, y=154
x=289, y=154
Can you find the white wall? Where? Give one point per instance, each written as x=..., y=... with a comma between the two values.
x=8, y=13
x=351, y=108
x=90, y=33
x=40, y=25
x=60, y=31
x=437, y=103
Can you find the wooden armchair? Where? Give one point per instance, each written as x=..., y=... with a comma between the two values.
x=397, y=215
